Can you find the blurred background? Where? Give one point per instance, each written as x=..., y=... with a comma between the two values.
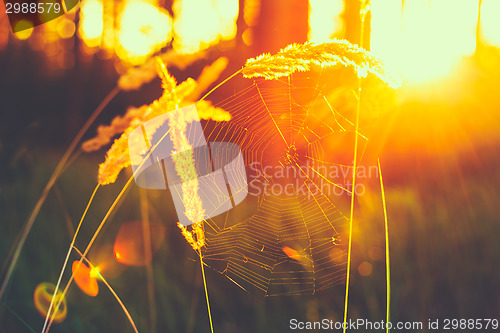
x=438, y=144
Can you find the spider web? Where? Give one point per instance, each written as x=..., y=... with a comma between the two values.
x=287, y=237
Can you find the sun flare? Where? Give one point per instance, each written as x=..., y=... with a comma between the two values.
x=423, y=40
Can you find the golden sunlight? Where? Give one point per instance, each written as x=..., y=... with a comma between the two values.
x=325, y=19
x=219, y=23
x=424, y=39
x=490, y=23
x=144, y=29
x=91, y=22
x=228, y=13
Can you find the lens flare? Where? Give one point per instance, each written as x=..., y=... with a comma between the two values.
x=86, y=278
x=291, y=253
x=42, y=298
x=131, y=244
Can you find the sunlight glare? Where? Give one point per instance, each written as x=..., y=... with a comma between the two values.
x=228, y=13
x=219, y=22
x=325, y=19
x=91, y=22
x=144, y=29
x=490, y=22
x=424, y=39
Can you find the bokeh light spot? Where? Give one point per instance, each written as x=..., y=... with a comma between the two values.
x=365, y=268
x=24, y=28
x=131, y=244
x=66, y=28
x=144, y=29
x=42, y=298
x=91, y=22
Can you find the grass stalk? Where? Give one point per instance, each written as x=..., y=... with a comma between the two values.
x=66, y=261
x=387, y=259
x=99, y=275
x=146, y=232
x=206, y=292
x=105, y=218
x=53, y=178
x=364, y=5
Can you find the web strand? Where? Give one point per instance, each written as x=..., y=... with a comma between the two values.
x=295, y=243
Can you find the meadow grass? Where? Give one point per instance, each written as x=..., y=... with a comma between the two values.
x=63, y=164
